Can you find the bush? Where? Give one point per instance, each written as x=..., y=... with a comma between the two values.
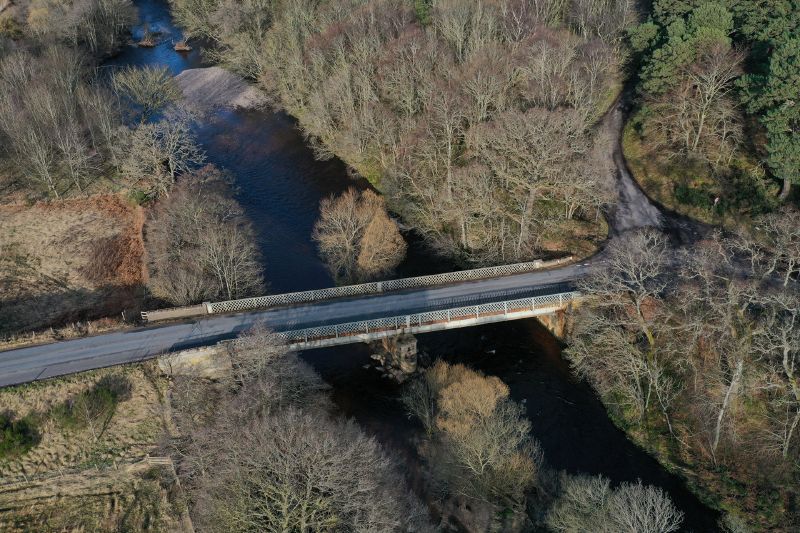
x=17, y=437
x=694, y=196
x=93, y=408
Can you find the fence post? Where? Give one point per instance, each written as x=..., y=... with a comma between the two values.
x=560, y=299
x=448, y=315
x=505, y=308
x=477, y=316
x=336, y=330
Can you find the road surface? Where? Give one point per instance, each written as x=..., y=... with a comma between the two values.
x=48, y=360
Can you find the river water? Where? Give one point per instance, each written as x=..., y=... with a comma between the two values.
x=280, y=185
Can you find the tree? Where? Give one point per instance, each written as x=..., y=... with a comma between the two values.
x=482, y=449
x=590, y=504
x=200, y=243
x=57, y=123
x=780, y=234
x=699, y=118
x=773, y=94
x=357, y=238
x=148, y=89
x=397, y=101
x=303, y=472
x=270, y=458
x=160, y=151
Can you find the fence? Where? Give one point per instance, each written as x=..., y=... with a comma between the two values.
x=427, y=321
x=262, y=302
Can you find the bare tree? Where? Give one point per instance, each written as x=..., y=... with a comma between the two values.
x=357, y=238
x=150, y=89
x=589, y=504
x=580, y=504
x=200, y=243
x=780, y=232
x=636, y=507
x=699, y=117
x=160, y=151
x=261, y=464
x=301, y=472
x=482, y=449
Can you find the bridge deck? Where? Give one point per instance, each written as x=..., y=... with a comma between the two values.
x=43, y=361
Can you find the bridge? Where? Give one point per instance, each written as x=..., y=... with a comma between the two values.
x=313, y=319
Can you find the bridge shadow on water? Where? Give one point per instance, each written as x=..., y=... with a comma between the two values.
x=566, y=416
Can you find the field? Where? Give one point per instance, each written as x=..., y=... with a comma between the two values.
x=729, y=199
x=138, y=497
x=69, y=260
x=84, y=420
x=76, y=454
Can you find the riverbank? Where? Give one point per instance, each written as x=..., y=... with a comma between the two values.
x=280, y=183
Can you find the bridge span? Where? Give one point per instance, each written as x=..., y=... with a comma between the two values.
x=361, y=317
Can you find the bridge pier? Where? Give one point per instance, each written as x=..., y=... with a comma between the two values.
x=397, y=355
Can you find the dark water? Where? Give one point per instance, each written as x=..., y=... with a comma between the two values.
x=280, y=184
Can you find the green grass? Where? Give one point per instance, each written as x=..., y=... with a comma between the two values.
x=729, y=196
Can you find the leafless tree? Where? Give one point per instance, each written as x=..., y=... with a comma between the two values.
x=399, y=102
x=357, y=238
x=200, y=244
x=160, y=151
x=589, y=503
x=699, y=118
x=150, y=89
x=260, y=463
x=636, y=507
x=780, y=232
x=481, y=444
x=295, y=471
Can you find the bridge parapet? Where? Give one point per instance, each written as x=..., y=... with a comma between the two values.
x=369, y=330
x=275, y=300
x=261, y=302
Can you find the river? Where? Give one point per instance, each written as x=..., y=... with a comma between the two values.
x=280, y=184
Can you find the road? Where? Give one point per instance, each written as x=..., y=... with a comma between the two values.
x=633, y=210
x=48, y=360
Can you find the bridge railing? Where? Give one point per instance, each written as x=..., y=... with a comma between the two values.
x=262, y=302
x=428, y=318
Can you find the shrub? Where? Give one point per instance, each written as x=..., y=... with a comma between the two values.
x=94, y=407
x=17, y=437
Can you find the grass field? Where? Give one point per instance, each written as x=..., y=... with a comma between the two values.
x=89, y=460
x=129, y=498
x=69, y=260
x=79, y=424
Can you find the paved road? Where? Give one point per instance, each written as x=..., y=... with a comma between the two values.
x=48, y=360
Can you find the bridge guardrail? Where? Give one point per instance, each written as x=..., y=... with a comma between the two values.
x=261, y=302
x=401, y=322
x=375, y=287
